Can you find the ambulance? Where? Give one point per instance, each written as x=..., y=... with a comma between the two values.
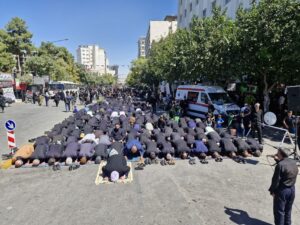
x=199, y=96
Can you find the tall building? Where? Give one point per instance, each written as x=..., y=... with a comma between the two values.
x=158, y=30
x=93, y=58
x=114, y=70
x=187, y=9
x=141, y=47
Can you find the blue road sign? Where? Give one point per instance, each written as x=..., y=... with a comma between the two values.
x=10, y=125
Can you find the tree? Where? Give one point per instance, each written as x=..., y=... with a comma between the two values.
x=215, y=40
x=269, y=43
x=7, y=62
x=18, y=40
x=54, y=61
x=137, y=74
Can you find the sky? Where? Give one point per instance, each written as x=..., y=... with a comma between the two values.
x=114, y=25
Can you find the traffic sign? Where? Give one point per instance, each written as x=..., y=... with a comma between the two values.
x=10, y=125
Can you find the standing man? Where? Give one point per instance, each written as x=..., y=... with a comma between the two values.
x=256, y=122
x=68, y=99
x=283, y=187
x=56, y=99
x=47, y=96
x=2, y=101
x=184, y=104
x=34, y=97
x=288, y=122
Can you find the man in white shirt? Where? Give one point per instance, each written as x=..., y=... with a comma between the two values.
x=91, y=137
x=114, y=114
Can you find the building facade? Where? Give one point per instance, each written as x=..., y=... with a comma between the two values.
x=187, y=9
x=141, y=47
x=93, y=58
x=113, y=70
x=158, y=30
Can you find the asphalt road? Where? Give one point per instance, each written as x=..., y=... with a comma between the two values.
x=214, y=194
x=31, y=120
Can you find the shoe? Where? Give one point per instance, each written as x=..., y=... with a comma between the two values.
x=204, y=161
x=31, y=140
x=163, y=162
x=139, y=167
x=58, y=167
x=74, y=167
x=219, y=159
x=154, y=161
x=171, y=162
x=192, y=161
x=54, y=168
x=148, y=161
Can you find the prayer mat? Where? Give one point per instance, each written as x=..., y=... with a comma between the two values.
x=100, y=180
x=6, y=164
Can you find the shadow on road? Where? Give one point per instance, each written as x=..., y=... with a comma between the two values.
x=238, y=216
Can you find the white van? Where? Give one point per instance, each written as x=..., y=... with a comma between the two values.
x=199, y=96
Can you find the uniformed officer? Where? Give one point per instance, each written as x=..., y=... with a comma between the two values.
x=283, y=187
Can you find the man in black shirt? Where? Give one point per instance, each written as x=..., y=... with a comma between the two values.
x=116, y=162
x=151, y=152
x=283, y=187
x=181, y=149
x=288, y=122
x=118, y=134
x=256, y=122
x=54, y=153
x=39, y=154
x=118, y=146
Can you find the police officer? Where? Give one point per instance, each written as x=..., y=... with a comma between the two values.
x=283, y=187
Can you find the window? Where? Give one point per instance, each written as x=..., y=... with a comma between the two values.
x=185, y=12
x=192, y=96
x=191, y=7
x=204, y=13
x=197, y=2
x=220, y=98
x=180, y=2
x=180, y=18
x=227, y=1
x=204, y=98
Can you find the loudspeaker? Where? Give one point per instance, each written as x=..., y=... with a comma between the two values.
x=293, y=98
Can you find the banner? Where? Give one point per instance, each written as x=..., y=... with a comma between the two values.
x=9, y=93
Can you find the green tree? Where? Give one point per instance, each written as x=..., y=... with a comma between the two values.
x=7, y=62
x=18, y=40
x=215, y=42
x=269, y=43
x=137, y=73
x=57, y=62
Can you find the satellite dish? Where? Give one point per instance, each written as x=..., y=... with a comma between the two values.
x=270, y=118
